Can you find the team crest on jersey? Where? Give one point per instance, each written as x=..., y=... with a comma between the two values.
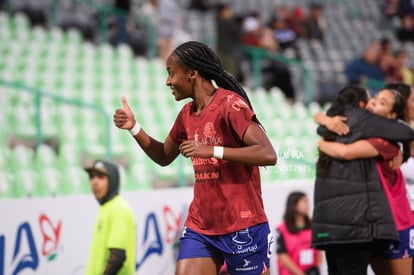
x=209, y=130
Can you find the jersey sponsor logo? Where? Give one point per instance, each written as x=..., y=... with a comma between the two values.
x=245, y=214
x=204, y=161
x=207, y=175
x=209, y=135
x=246, y=266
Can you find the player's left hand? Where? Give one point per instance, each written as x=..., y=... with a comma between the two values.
x=191, y=148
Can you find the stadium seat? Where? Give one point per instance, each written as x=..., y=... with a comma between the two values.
x=76, y=181
x=45, y=157
x=7, y=184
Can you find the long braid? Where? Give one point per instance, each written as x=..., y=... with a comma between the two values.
x=200, y=57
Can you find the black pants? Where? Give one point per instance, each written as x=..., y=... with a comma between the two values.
x=348, y=259
x=279, y=75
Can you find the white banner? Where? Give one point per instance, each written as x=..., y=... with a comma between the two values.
x=51, y=236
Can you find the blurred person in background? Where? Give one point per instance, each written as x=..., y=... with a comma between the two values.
x=405, y=32
x=406, y=7
x=168, y=26
x=149, y=9
x=365, y=68
x=315, y=23
x=285, y=37
x=293, y=244
x=275, y=73
x=112, y=250
x=391, y=11
x=228, y=40
x=403, y=64
x=123, y=9
x=294, y=17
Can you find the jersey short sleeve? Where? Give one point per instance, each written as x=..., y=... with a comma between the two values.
x=178, y=131
x=386, y=150
x=238, y=113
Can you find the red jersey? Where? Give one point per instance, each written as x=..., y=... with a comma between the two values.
x=387, y=151
x=227, y=195
x=393, y=184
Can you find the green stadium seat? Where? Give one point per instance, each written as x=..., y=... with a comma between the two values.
x=45, y=157
x=7, y=184
x=22, y=157
x=69, y=155
x=51, y=179
x=76, y=181
x=140, y=177
x=28, y=184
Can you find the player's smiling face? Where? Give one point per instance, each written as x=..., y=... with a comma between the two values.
x=178, y=78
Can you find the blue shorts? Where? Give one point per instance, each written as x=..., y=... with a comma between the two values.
x=406, y=247
x=246, y=252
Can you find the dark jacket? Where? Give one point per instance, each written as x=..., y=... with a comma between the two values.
x=349, y=203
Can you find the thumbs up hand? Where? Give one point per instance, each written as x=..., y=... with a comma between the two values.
x=124, y=118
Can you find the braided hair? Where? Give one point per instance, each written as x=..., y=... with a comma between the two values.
x=200, y=57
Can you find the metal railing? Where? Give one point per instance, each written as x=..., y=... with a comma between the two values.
x=257, y=54
x=39, y=95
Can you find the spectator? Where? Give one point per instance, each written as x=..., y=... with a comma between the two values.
x=391, y=72
x=228, y=40
x=366, y=67
x=406, y=7
x=123, y=8
x=201, y=5
x=405, y=33
x=150, y=10
x=390, y=10
x=294, y=252
x=402, y=65
x=113, y=245
x=315, y=24
x=292, y=17
x=169, y=23
x=285, y=37
x=275, y=73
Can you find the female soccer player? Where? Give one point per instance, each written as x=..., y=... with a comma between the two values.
x=226, y=143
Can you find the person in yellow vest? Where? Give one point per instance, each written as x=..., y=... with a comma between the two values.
x=112, y=249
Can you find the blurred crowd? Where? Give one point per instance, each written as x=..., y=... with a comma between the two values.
x=277, y=32
x=383, y=61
